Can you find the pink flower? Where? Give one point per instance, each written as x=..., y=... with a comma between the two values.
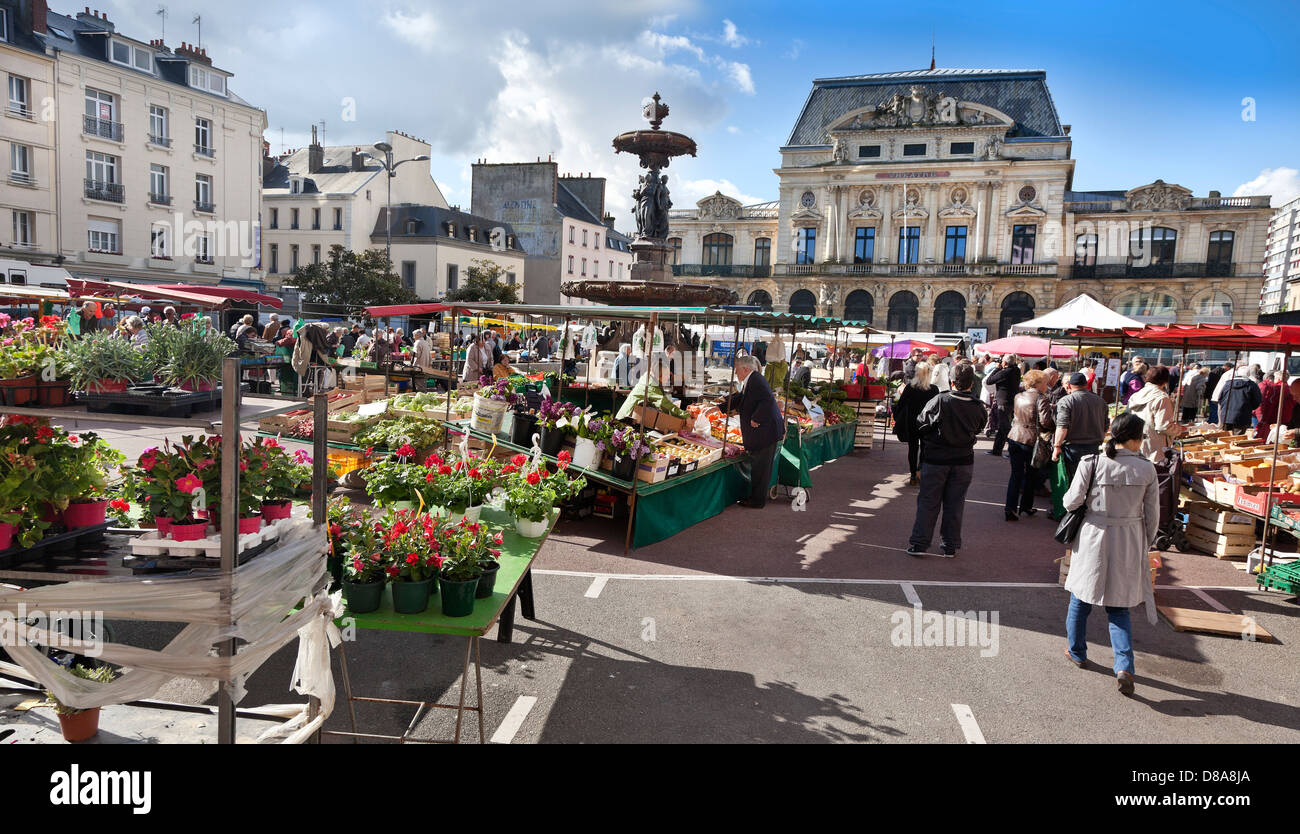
x=189, y=484
x=75, y=441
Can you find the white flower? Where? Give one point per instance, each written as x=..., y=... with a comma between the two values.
x=75, y=440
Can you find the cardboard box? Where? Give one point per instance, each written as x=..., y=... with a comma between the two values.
x=659, y=420
x=653, y=469
x=1260, y=474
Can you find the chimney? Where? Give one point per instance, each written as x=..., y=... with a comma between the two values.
x=358, y=161
x=609, y=220
x=315, y=153
x=1214, y=195
x=39, y=11
x=192, y=52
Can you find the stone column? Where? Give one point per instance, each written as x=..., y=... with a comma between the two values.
x=831, y=244
x=934, y=228
x=991, y=220
x=981, y=219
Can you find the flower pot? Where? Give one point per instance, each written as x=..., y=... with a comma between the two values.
x=164, y=525
x=585, y=455
x=457, y=597
x=250, y=524
x=188, y=532
x=487, y=413
x=276, y=510
x=624, y=467
x=108, y=386
x=363, y=597
x=470, y=514
x=552, y=440
x=6, y=535
x=85, y=514
x=198, y=385
x=488, y=580
x=412, y=597
x=531, y=529
x=18, y=391
x=51, y=515
x=80, y=726
x=54, y=394
x=521, y=433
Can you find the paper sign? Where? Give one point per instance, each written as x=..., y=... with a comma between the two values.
x=371, y=409
x=1112, y=372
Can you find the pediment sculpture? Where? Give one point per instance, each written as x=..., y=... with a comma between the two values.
x=719, y=206
x=1159, y=196
x=919, y=108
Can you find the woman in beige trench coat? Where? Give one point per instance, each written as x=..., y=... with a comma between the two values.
x=1156, y=408
x=1109, y=566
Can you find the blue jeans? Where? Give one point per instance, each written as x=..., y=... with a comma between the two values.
x=943, y=487
x=1121, y=633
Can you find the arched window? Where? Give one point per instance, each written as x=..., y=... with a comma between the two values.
x=761, y=299
x=762, y=251
x=1218, y=260
x=717, y=249
x=1016, y=307
x=858, y=306
x=950, y=313
x=803, y=303
x=1148, y=307
x=1215, y=308
x=1152, y=247
x=675, y=244
x=1085, y=250
x=902, y=310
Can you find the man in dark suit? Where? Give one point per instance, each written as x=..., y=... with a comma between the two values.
x=762, y=427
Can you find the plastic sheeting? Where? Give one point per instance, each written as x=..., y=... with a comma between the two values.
x=274, y=598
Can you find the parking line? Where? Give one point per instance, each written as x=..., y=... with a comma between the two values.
x=514, y=720
x=597, y=585
x=910, y=593
x=969, y=728
x=1213, y=603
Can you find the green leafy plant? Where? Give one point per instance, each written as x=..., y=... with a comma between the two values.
x=417, y=432
x=532, y=494
x=194, y=353
x=394, y=479
x=98, y=674
x=102, y=356
x=464, y=547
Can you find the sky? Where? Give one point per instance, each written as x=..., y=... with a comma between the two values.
x=1202, y=94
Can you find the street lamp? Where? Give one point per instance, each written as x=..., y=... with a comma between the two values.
x=390, y=167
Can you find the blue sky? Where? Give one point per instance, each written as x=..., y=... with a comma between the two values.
x=1152, y=89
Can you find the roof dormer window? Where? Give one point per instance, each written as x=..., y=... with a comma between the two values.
x=128, y=55
x=208, y=81
x=451, y=229
x=412, y=226
x=295, y=185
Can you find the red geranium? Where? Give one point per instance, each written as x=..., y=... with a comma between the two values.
x=519, y=460
x=534, y=478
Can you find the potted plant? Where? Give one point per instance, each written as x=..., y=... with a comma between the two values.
x=81, y=724
x=363, y=568
x=18, y=364
x=194, y=356
x=463, y=547
x=593, y=436
x=533, y=493
x=629, y=447
x=340, y=516
x=490, y=403
x=556, y=420
x=394, y=480
x=277, y=474
x=174, y=490
x=22, y=489
x=81, y=465
x=411, y=551
x=101, y=362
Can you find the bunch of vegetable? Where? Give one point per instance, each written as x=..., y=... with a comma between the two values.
x=390, y=434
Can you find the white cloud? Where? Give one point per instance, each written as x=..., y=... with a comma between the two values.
x=733, y=130
x=419, y=30
x=796, y=46
x=731, y=37
x=739, y=73
x=1282, y=183
x=688, y=192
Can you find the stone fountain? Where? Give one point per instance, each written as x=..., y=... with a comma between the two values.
x=652, y=283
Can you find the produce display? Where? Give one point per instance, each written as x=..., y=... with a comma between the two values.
x=418, y=432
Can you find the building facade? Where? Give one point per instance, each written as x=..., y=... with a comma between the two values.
x=561, y=223
x=27, y=134
x=153, y=162
x=434, y=247
x=317, y=197
x=942, y=200
x=1282, y=261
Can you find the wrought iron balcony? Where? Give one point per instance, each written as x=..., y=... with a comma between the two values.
x=1199, y=269
x=160, y=199
x=102, y=190
x=160, y=141
x=203, y=151
x=722, y=270
x=204, y=206
x=103, y=128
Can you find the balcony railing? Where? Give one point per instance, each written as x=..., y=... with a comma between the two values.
x=722, y=270
x=21, y=178
x=160, y=141
x=904, y=270
x=204, y=151
x=1165, y=270
x=101, y=190
x=103, y=128
x=204, y=206
x=17, y=108
x=160, y=199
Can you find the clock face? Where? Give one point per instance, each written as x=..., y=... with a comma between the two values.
x=1027, y=194
x=808, y=200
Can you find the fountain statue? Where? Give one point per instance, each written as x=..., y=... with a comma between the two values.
x=652, y=281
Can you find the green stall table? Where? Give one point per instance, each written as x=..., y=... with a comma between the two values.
x=802, y=451
x=514, y=580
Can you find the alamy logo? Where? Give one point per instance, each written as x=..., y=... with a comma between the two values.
x=103, y=787
x=950, y=628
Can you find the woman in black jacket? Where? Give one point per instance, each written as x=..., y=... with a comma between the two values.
x=916, y=393
x=1006, y=384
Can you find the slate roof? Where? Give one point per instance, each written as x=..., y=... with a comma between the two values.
x=336, y=177
x=1021, y=94
x=430, y=222
x=570, y=206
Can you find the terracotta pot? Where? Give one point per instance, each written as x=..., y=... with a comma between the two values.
x=275, y=510
x=188, y=532
x=200, y=385
x=108, y=386
x=6, y=535
x=20, y=391
x=54, y=394
x=252, y=524
x=164, y=525
x=85, y=514
x=80, y=726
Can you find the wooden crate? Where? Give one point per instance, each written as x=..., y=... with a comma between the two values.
x=1260, y=474
x=1209, y=518
x=1221, y=545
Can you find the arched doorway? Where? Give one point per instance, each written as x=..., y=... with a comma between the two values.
x=1016, y=307
x=902, y=311
x=950, y=313
x=803, y=303
x=858, y=306
x=761, y=299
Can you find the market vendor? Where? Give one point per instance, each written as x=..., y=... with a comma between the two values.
x=502, y=369
x=762, y=427
x=423, y=352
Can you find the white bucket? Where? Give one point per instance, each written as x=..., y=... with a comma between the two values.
x=487, y=413
x=530, y=529
x=585, y=455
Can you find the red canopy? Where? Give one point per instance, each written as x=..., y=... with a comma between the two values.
x=1203, y=336
x=421, y=309
x=199, y=296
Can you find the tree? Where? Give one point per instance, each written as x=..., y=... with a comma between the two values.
x=483, y=283
x=352, y=279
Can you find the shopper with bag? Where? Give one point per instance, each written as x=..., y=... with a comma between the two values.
x=916, y=394
x=1030, y=452
x=1119, y=499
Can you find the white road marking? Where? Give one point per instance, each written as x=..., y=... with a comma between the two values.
x=1213, y=603
x=514, y=720
x=969, y=728
x=910, y=592
x=597, y=585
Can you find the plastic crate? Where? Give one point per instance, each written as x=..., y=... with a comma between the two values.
x=345, y=462
x=1285, y=578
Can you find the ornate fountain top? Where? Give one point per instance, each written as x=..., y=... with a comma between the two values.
x=655, y=112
